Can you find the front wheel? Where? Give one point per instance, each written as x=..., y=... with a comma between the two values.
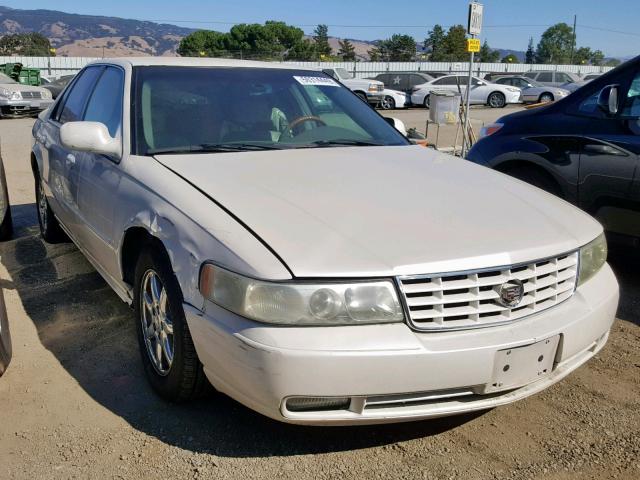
x=388, y=103
x=426, y=102
x=546, y=98
x=497, y=100
x=168, y=355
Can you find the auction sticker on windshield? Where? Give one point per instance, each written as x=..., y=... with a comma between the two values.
x=319, y=81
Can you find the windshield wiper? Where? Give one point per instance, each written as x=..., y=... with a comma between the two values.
x=341, y=142
x=213, y=148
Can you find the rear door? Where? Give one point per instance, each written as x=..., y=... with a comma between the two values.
x=546, y=78
x=63, y=172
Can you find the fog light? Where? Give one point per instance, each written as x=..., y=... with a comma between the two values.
x=309, y=404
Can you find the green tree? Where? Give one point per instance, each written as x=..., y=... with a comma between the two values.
x=530, y=56
x=398, y=48
x=555, y=45
x=455, y=44
x=321, y=38
x=486, y=55
x=304, y=51
x=612, y=62
x=582, y=56
x=375, y=55
x=597, y=57
x=26, y=44
x=347, y=51
x=435, y=43
x=511, y=58
x=202, y=43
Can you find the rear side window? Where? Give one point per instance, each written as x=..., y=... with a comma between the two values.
x=545, y=77
x=76, y=98
x=105, y=104
x=530, y=75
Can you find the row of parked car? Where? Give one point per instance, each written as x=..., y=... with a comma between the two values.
x=403, y=89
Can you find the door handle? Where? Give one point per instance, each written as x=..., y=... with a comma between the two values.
x=71, y=159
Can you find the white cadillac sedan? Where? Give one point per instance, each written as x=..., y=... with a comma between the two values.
x=482, y=92
x=279, y=238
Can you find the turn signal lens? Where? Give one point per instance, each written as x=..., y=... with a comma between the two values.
x=490, y=129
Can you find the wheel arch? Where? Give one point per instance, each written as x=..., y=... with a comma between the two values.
x=509, y=166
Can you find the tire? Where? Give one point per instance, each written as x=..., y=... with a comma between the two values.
x=497, y=100
x=388, y=103
x=537, y=178
x=6, y=227
x=546, y=97
x=49, y=226
x=175, y=373
x=426, y=102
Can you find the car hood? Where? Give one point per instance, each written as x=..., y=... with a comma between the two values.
x=19, y=87
x=379, y=211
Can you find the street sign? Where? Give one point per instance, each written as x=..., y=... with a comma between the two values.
x=475, y=18
x=473, y=45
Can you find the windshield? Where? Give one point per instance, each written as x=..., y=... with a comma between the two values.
x=6, y=79
x=193, y=109
x=343, y=74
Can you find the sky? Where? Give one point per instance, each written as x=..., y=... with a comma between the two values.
x=610, y=26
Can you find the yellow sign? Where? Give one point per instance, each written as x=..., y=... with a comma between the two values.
x=473, y=45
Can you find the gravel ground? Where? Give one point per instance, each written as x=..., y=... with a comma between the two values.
x=75, y=404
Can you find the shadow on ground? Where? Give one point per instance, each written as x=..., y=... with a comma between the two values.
x=92, y=334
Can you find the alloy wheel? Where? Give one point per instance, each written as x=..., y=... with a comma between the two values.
x=157, y=327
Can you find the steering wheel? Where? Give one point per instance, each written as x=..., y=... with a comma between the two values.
x=306, y=118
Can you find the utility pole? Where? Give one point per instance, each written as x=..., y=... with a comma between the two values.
x=573, y=43
x=474, y=28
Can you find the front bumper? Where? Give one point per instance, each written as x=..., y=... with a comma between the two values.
x=19, y=108
x=389, y=372
x=374, y=98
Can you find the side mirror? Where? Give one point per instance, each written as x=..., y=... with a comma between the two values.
x=608, y=99
x=397, y=124
x=90, y=137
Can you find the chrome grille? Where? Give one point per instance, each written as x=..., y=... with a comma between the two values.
x=31, y=94
x=470, y=299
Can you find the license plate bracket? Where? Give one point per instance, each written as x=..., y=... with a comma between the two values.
x=516, y=367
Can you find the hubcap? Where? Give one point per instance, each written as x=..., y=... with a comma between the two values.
x=42, y=206
x=386, y=103
x=496, y=101
x=157, y=326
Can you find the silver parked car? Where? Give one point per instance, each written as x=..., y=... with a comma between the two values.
x=532, y=91
x=303, y=256
x=18, y=100
x=553, y=78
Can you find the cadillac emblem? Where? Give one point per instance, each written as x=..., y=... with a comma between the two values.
x=511, y=293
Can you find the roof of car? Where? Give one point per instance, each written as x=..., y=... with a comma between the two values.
x=195, y=62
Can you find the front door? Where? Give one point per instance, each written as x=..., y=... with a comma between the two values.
x=610, y=159
x=100, y=175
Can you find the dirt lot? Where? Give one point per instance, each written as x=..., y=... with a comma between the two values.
x=74, y=403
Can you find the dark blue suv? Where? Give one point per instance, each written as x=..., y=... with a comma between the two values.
x=584, y=148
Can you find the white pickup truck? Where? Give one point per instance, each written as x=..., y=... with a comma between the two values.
x=370, y=91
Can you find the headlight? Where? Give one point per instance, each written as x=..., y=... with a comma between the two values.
x=9, y=94
x=302, y=303
x=490, y=129
x=46, y=93
x=592, y=258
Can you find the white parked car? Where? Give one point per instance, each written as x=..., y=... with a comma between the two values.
x=482, y=92
x=532, y=91
x=368, y=90
x=303, y=256
x=392, y=99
